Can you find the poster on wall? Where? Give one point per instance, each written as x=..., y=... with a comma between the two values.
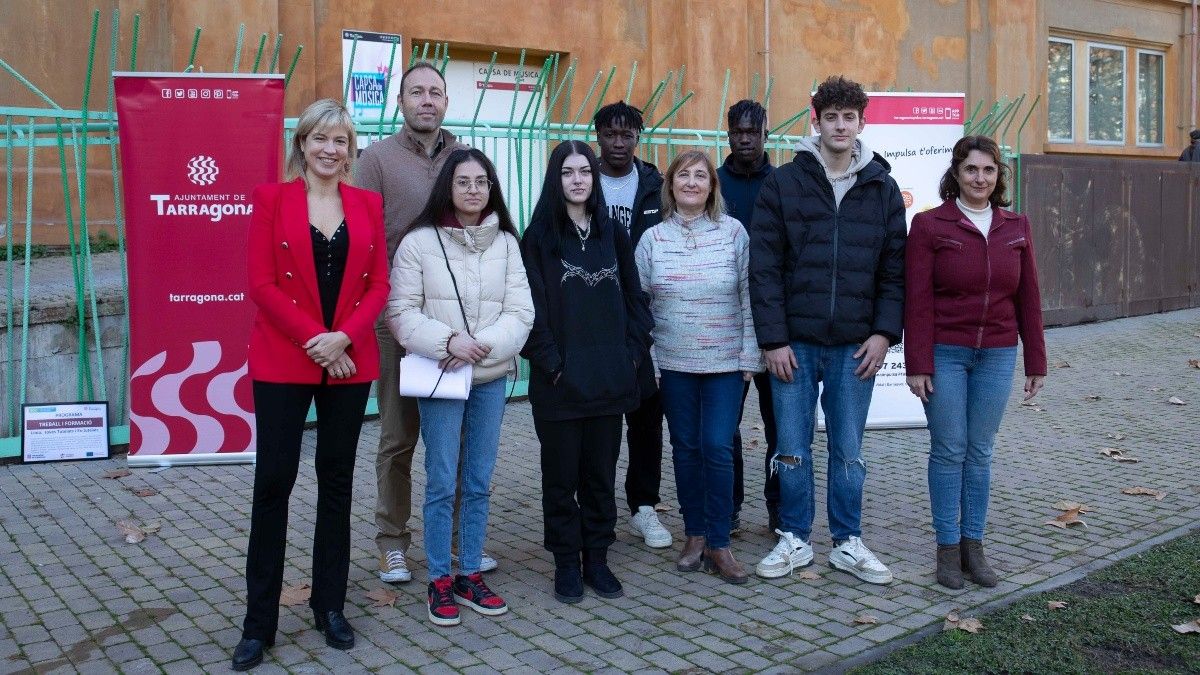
x=187, y=208
x=915, y=133
x=59, y=432
x=372, y=80
x=510, y=91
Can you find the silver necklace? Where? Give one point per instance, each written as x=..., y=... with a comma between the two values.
x=583, y=232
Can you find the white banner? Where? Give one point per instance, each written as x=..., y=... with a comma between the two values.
x=915, y=133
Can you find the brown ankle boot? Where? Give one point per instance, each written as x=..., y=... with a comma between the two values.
x=692, y=555
x=975, y=566
x=720, y=561
x=949, y=566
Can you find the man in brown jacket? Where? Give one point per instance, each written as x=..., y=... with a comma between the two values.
x=402, y=167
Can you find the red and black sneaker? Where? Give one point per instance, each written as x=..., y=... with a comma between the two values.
x=473, y=592
x=442, y=610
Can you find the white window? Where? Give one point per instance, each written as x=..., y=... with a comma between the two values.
x=1060, y=99
x=1150, y=79
x=1106, y=94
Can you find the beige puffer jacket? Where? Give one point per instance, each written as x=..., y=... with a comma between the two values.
x=422, y=310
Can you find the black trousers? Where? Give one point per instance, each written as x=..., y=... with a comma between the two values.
x=645, y=440
x=762, y=382
x=280, y=410
x=579, y=471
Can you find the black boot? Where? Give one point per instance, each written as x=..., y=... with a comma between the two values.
x=338, y=633
x=248, y=653
x=597, y=574
x=568, y=580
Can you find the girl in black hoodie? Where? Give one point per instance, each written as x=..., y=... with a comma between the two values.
x=591, y=331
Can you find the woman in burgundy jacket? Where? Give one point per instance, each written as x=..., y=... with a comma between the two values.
x=318, y=273
x=971, y=290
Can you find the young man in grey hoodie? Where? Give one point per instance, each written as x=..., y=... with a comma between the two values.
x=827, y=292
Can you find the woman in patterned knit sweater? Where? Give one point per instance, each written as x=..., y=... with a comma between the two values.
x=694, y=267
x=591, y=325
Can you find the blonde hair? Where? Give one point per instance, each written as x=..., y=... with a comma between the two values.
x=320, y=116
x=715, y=206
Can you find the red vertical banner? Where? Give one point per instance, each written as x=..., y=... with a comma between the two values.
x=192, y=149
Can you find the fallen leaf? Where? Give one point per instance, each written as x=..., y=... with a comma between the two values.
x=1072, y=506
x=1056, y=604
x=1092, y=397
x=152, y=527
x=1116, y=454
x=1115, y=435
x=1196, y=599
x=1194, y=363
x=1155, y=389
x=952, y=620
x=116, y=473
x=1062, y=364
x=1139, y=490
x=865, y=619
x=291, y=596
x=1192, y=626
x=970, y=625
x=144, y=492
x=382, y=597
x=133, y=533
x=1068, y=518
x=1120, y=374
x=1026, y=617
x=813, y=576
x=1175, y=400
x=662, y=508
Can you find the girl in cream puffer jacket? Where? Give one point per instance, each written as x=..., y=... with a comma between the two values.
x=423, y=310
x=463, y=245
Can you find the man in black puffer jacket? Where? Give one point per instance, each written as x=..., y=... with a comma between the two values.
x=827, y=291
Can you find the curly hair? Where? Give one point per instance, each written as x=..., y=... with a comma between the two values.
x=838, y=92
x=949, y=188
x=619, y=114
x=754, y=111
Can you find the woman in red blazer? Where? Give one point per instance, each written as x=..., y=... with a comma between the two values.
x=318, y=273
x=971, y=290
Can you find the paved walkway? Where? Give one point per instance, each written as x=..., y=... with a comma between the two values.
x=74, y=596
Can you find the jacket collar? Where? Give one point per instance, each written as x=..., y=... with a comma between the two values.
x=293, y=212
x=874, y=170
x=764, y=167
x=474, y=238
x=949, y=212
x=446, y=141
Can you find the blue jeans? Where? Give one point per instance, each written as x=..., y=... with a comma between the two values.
x=448, y=426
x=845, y=400
x=702, y=414
x=970, y=390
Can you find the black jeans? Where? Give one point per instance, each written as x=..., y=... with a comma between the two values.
x=645, y=440
x=762, y=382
x=579, y=471
x=280, y=410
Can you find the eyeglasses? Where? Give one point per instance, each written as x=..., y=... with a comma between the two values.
x=465, y=184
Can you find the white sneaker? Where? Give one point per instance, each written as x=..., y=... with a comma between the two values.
x=854, y=557
x=393, y=568
x=790, y=553
x=646, y=525
x=486, y=563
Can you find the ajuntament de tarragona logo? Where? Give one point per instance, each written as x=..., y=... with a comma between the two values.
x=203, y=170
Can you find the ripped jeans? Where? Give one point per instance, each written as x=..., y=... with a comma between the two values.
x=845, y=400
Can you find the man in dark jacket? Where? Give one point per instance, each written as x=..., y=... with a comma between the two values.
x=827, y=291
x=1192, y=152
x=740, y=177
x=632, y=190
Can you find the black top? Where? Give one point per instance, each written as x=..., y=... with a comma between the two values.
x=591, y=326
x=329, y=259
